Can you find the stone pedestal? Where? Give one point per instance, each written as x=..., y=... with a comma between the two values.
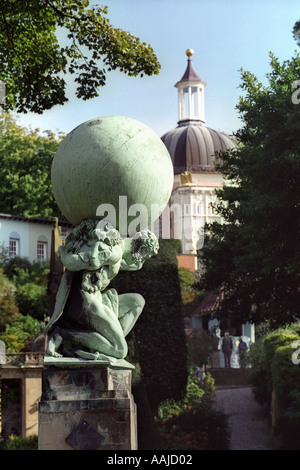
x=86, y=405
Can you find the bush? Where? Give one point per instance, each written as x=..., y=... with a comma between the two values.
x=273, y=369
x=197, y=429
x=286, y=382
x=192, y=424
x=21, y=443
x=262, y=388
x=19, y=334
x=200, y=347
x=8, y=308
x=31, y=294
x=32, y=299
x=190, y=292
x=11, y=266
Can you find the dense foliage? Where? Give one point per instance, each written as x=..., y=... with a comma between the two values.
x=275, y=374
x=190, y=292
x=296, y=32
x=14, y=442
x=24, y=303
x=192, y=423
x=42, y=41
x=159, y=333
x=9, y=311
x=254, y=256
x=31, y=286
x=25, y=169
x=19, y=334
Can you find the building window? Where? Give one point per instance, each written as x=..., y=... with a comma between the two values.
x=42, y=251
x=13, y=247
x=14, y=244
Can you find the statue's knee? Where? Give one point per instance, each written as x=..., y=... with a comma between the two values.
x=139, y=302
x=121, y=349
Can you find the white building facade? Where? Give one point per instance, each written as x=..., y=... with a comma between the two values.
x=192, y=146
x=27, y=237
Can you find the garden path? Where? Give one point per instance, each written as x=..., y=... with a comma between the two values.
x=246, y=422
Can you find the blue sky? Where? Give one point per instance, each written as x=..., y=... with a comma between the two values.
x=225, y=35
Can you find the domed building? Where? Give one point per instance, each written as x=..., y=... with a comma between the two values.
x=192, y=146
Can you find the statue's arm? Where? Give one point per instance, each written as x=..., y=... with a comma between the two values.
x=89, y=258
x=72, y=261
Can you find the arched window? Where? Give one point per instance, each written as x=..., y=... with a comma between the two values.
x=14, y=244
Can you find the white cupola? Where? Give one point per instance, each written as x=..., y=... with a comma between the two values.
x=190, y=95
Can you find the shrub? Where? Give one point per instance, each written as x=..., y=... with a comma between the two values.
x=273, y=369
x=12, y=265
x=192, y=424
x=19, y=334
x=262, y=388
x=200, y=346
x=278, y=338
x=8, y=308
x=197, y=429
x=197, y=395
x=32, y=299
x=286, y=382
x=21, y=443
x=31, y=281
x=190, y=292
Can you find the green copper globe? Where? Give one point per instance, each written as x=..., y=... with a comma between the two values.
x=114, y=163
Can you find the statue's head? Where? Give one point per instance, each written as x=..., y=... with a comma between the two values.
x=144, y=245
x=87, y=234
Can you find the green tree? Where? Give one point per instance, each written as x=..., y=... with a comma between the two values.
x=25, y=169
x=20, y=333
x=9, y=311
x=254, y=256
x=190, y=293
x=296, y=32
x=33, y=61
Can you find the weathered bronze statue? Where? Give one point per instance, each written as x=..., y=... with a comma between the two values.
x=91, y=321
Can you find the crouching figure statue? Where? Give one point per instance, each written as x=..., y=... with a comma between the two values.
x=90, y=321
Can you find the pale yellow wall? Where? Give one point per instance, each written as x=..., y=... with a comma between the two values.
x=32, y=390
x=35, y=231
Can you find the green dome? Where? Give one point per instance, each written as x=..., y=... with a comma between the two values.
x=108, y=157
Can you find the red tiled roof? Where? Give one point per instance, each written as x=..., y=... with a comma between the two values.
x=209, y=304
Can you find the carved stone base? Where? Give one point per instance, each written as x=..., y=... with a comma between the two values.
x=87, y=407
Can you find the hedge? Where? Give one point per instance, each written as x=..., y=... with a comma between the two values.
x=160, y=337
x=274, y=369
x=286, y=383
x=271, y=343
x=157, y=344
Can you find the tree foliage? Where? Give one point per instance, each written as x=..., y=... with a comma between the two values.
x=254, y=255
x=19, y=334
x=9, y=311
x=296, y=32
x=33, y=62
x=25, y=170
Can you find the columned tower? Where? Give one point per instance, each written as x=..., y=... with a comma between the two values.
x=192, y=146
x=190, y=94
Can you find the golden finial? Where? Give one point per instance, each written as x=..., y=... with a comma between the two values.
x=189, y=52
